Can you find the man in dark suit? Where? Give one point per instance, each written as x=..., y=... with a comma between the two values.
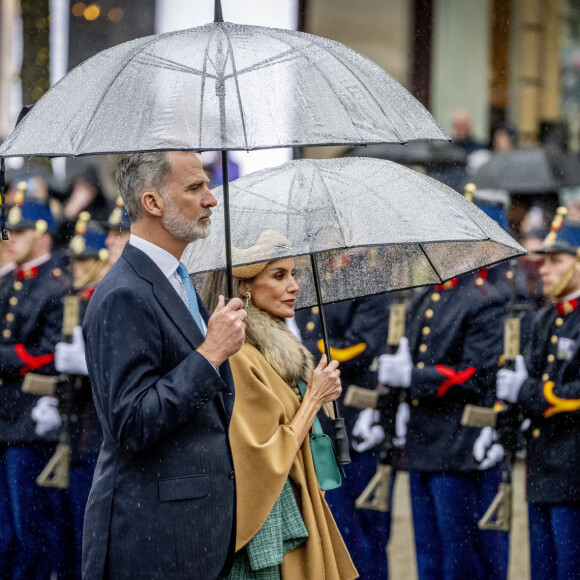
x=162, y=504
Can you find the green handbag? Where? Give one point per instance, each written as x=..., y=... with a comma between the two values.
x=328, y=473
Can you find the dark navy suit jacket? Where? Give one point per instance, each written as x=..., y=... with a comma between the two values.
x=162, y=503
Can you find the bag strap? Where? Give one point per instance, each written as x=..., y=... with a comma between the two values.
x=316, y=425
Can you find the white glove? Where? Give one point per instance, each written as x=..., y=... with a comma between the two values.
x=70, y=358
x=486, y=451
x=401, y=422
x=45, y=414
x=509, y=383
x=395, y=369
x=366, y=432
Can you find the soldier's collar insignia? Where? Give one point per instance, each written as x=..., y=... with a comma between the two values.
x=563, y=308
x=27, y=274
x=448, y=285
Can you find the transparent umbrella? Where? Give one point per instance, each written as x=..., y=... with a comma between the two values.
x=223, y=87
x=372, y=226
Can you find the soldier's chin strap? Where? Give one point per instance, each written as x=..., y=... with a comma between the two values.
x=562, y=285
x=3, y=200
x=94, y=271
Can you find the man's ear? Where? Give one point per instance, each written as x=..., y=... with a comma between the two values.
x=152, y=203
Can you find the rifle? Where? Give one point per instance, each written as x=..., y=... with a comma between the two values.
x=506, y=419
x=386, y=400
x=56, y=471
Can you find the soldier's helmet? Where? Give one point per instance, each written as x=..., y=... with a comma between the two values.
x=119, y=218
x=30, y=213
x=564, y=235
x=89, y=239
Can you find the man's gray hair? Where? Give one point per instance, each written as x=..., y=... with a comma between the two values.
x=140, y=172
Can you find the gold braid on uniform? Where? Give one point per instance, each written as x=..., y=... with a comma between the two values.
x=283, y=351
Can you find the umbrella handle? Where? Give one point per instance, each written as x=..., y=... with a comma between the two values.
x=340, y=434
x=3, y=200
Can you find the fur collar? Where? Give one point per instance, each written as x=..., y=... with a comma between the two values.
x=272, y=338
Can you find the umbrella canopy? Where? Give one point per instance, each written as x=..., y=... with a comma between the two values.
x=220, y=86
x=373, y=225
x=427, y=153
x=528, y=171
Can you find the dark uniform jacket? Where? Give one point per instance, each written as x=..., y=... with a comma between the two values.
x=31, y=321
x=86, y=434
x=162, y=501
x=455, y=336
x=550, y=397
x=357, y=331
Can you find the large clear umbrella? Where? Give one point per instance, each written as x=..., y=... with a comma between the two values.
x=223, y=87
x=394, y=228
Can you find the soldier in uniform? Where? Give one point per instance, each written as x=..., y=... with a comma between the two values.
x=89, y=264
x=357, y=331
x=546, y=387
x=30, y=320
x=118, y=227
x=449, y=358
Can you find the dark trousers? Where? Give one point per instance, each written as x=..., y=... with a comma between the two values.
x=365, y=532
x=554, y=541
x=29, y=515
x=446, y=508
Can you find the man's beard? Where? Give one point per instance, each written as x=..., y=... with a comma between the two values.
x=182, y=228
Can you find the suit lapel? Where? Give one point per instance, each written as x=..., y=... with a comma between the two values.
x=166, y=295
x=176, y=309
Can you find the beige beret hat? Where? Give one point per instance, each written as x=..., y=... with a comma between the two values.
x=271, y=245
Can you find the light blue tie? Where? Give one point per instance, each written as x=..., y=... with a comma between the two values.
x=191, y=296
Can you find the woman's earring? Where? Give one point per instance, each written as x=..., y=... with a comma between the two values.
x=248, y=298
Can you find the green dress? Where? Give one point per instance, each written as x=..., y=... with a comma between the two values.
x=282, y=531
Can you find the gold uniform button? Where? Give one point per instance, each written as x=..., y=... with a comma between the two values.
x=554, y=339
x=10, y=317
x=6, y=333
x=435, y=296
x=18, y=285
x=509, y=275
x=415, y=402
x=420, y=365
x=314, y=310
x=479, y=281
x=429, y=313
x=13, y=301
x=551, y=358
x=423, y=348
x=545, y=377
x=310, y=326
x=1, y=382
x=425, y=330
x=57, y=272
x=559, y=321
x=536, y=433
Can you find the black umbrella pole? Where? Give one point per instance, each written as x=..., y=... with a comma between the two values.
x=217, y=11
x=340, y=434
x=3, y=200
x=228, y=231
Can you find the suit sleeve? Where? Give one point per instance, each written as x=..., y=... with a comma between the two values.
x=470, y=378
x=124, y=356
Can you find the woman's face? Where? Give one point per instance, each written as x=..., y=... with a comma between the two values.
x=274, y=289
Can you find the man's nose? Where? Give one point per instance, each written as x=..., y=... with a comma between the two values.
x=209, y=200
